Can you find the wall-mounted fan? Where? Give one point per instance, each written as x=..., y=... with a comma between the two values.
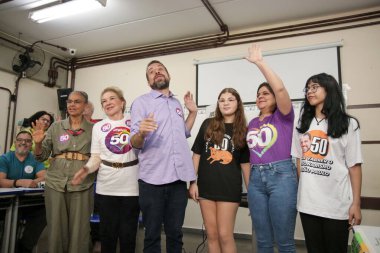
x=29, y=61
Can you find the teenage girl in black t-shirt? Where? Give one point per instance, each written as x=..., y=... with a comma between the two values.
x=220, y=154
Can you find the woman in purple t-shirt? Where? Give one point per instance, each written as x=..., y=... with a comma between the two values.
x=272, y=190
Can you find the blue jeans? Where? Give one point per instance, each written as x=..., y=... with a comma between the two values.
x=163, y=204
x=272, y=199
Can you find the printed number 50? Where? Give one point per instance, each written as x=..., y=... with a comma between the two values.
x=122, y=139
x=319, y=146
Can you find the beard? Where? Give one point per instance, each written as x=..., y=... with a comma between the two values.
x=160, y=85
x=22, y=152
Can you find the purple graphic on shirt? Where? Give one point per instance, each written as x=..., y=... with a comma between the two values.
x=64, y=138
x=179, y=112
x=106, y=127
x=117, y=140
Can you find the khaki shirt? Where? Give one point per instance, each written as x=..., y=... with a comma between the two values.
x=59, y=140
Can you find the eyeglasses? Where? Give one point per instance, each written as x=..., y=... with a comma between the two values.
x=28, y=141
x=230, y=100
x=76, y=102
x=312, y=89
x=45, y=120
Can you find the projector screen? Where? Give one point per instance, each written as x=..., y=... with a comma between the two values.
x=294, y=68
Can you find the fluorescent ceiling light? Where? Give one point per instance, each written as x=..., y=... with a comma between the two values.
x=65, y=9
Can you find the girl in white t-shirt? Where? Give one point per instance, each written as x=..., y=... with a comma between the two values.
x=117, y=185
x=326, y=143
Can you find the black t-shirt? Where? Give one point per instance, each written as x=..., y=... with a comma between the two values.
x=219, y=171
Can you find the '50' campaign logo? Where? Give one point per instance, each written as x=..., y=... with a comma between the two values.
x=260, y=140
x=117, y=140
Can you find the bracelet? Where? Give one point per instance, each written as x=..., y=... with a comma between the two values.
x=14, y=183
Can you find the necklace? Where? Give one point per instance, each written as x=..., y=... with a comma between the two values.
x=319, y=121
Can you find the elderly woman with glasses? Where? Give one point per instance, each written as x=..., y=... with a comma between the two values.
x=68, y=207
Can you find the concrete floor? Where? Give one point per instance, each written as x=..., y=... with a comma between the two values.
x=192, y=243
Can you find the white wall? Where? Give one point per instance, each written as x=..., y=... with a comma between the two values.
x=32, y=97
x=360, y=65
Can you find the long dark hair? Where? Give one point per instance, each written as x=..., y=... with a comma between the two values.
x=215, y=130
x=32, y=119
x=333, y=107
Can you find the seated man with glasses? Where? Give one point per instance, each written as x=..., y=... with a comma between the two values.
x=20, y=169
x=40, y=119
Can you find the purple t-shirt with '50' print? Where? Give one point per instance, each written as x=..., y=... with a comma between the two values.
x=270, y=140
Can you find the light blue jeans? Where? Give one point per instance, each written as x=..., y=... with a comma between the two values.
x=272, y=199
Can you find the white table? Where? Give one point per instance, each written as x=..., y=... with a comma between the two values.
x=13, y=199
x=7, y=199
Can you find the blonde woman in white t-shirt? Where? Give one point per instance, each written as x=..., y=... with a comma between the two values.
x=117, y=184
x=326, y=144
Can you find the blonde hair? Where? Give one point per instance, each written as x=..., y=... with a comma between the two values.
x=117, y=91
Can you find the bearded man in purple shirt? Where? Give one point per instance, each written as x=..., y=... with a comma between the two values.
x=159, y=132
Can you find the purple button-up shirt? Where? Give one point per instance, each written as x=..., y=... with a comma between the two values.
x=165, y=156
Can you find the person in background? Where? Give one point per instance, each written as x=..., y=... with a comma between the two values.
x=88, y=112
x=68, y=207
x=330, y=172
x=41, y=119
x=20, y=169
x=272, y=189
x=159, y=132
x=117, y=185
x=220, y=155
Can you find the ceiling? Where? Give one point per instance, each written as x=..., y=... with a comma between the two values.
x=124, y=24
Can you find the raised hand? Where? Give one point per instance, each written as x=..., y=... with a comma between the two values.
x=189, y=102
x=38, y=133
x=254, y=54
x=148, y=125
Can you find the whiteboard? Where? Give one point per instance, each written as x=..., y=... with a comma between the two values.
x=294, y=68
